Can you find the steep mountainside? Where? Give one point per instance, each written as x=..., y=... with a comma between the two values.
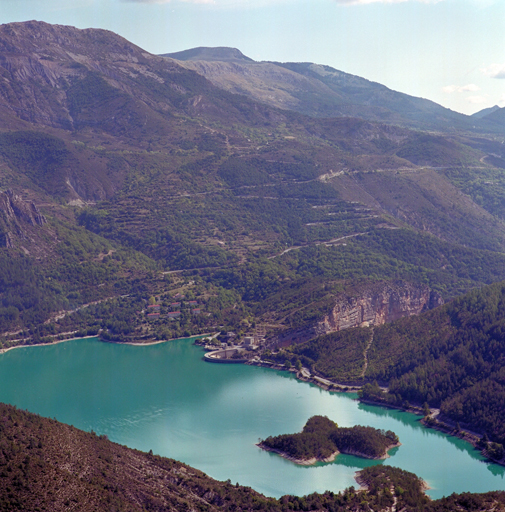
x=18, y=217
x=154, y=182
x=482, y=113
x=323, y=91
x=497, y=116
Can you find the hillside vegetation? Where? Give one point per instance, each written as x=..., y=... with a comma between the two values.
x=153, y=183
x=451, y=358
x=140, y=201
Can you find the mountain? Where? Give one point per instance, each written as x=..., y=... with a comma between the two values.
x=142, y=173
x=65, y=75
x=128, y=181
x=494, y=114
x=220, y=53
x=46, y=465
x=484, y=112
x=497, y=116
x=322, y=91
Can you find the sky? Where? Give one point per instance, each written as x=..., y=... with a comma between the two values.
x=449, y=51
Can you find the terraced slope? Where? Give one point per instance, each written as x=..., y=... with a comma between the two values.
x=154, y=182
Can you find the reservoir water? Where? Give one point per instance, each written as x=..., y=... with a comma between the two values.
x=166, y=398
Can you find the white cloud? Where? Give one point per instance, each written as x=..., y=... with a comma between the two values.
x=449, y=89
x=469, y=88
x=476, y=99
x=495, y=71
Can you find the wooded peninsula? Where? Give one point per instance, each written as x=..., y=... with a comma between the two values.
x=322, y=440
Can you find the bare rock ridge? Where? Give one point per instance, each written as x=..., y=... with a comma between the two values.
x=322, y=91
x=22, y=210
x=36, y=56
x=371, y=305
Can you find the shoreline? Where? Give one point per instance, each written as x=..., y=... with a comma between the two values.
x=47, y=344
x=331, y=458
x=300, y=462
x=318, y=381
x=412, y=409
x=465, y=435
x=364, y=487
x=364, y=456
x=135, y=344
x=154, y=342
x=472, y=438
x=359, y=480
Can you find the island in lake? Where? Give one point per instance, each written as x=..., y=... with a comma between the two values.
x=322, y=440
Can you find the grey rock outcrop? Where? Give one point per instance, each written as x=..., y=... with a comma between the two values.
x=378, y=305
x=374, y=304
x=16, y=218
x=13, y=209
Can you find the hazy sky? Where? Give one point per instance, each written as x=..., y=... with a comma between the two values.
x=449, y=51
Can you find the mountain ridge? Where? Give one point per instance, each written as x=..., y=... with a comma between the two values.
x=485, y=112
x=323, y=91
x=152, y=186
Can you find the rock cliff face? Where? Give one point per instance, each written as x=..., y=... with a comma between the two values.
x=16, y=216
x=378, y=305
x=370, y=305
x=15, y=208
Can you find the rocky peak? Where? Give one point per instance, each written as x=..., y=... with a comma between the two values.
x=40, y=62
x=40, y=38
x=203, y=53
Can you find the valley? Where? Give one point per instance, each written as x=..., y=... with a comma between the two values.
x=146, y=198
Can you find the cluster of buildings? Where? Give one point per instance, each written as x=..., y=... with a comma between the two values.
x=251, y=341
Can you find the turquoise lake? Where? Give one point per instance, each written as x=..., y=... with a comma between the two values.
x=166, y=398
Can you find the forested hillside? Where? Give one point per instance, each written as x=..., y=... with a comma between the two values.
x=130, y=181
x=139, y=201
x=451, y=358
